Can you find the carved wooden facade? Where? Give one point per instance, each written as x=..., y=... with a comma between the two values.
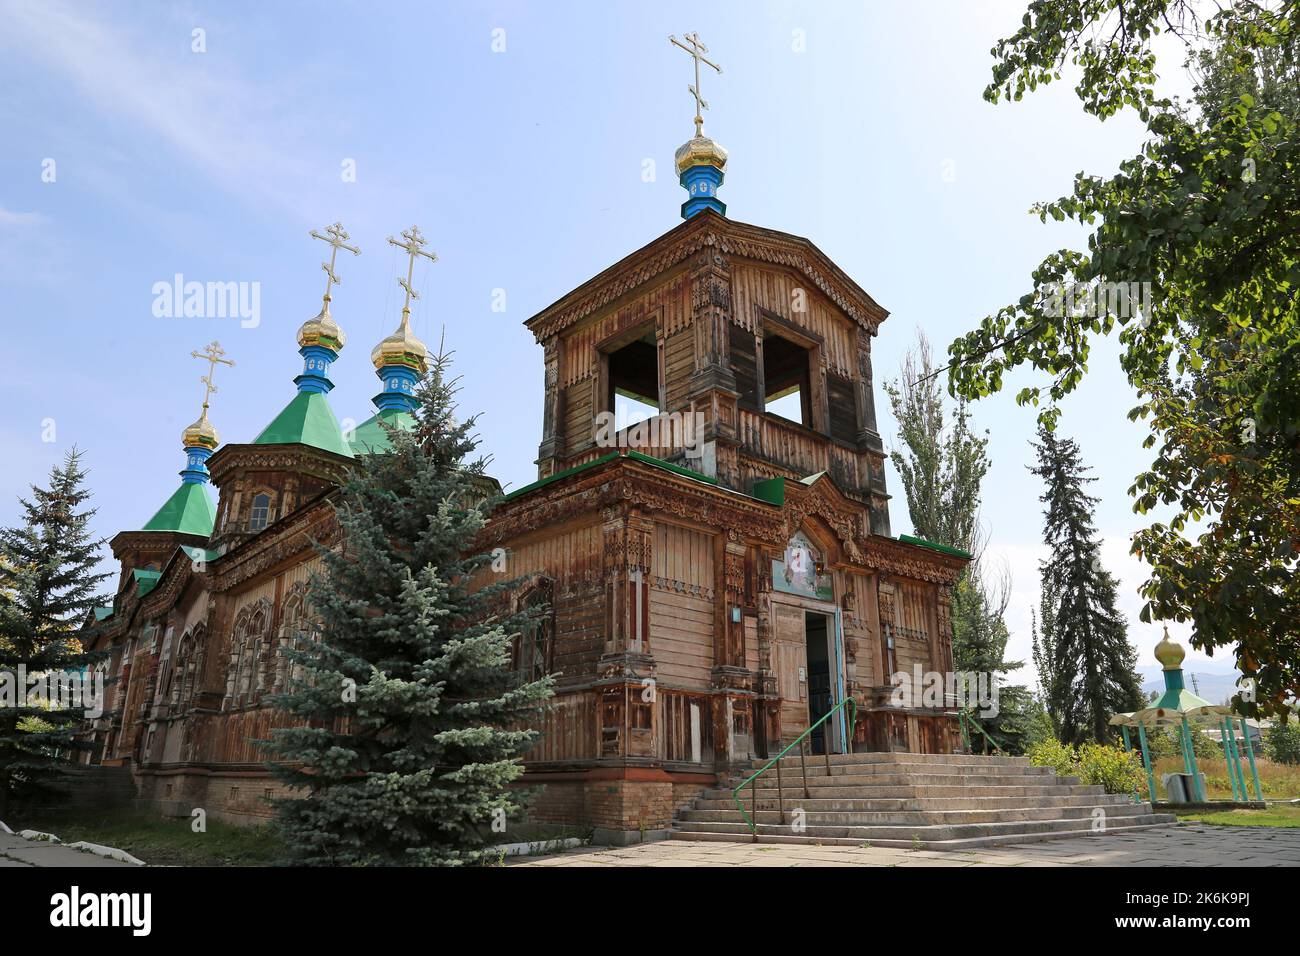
x=679, y=640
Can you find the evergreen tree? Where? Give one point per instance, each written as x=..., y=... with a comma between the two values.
x=979, y=646
x=411, y=715
x=942, y=466
x=48, y=587
x=1085, y=660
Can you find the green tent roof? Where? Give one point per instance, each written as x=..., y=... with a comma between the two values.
x=145, y=581
x=307, y=420
x=189, y=510
x=370, y=436
x=934, y=546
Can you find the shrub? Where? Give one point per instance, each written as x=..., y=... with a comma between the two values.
x=1050, y=752
x=1165, y=742
x=1282, y=742
x=1113, y=768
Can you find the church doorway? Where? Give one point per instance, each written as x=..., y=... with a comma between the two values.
x=818, y=630
x=807, y=652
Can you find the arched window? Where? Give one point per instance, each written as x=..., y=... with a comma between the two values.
x=247, y=642
x=295, y=630
x=260, y=515
x=186, y=671
x=533, y=651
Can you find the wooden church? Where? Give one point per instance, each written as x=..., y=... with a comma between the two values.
x=718, y=576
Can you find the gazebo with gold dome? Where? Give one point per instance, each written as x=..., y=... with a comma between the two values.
x=1178, y=707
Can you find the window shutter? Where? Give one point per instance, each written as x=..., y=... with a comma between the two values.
x=843, y=408
x=744, y=365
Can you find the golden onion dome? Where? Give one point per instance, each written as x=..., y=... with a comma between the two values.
x=201, y=433
x=401, y=348
x=1170, y=653
x=323, y=331
x=700, y=151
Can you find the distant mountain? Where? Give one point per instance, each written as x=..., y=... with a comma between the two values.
x=1213, y=682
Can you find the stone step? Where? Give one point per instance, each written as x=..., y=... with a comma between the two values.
x=818, y=769
x=958, y=844
x=904, y=791
x=940, y=836
x=873, y=758
x=906, y=780
x=934, y=800
x=830, y=818
x=878, y=804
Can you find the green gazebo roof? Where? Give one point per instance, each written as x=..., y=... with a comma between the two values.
x=370, y=436
x=189, y=511
x=1174, y=704
x=307, y=420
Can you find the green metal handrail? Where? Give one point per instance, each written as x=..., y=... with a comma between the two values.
x=967, y=719
x=798, y=741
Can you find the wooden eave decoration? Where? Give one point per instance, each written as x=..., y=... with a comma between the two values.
x=312, y=523
x=303, y=459
x=708, y=230
x=161, y=541
x=624, y=482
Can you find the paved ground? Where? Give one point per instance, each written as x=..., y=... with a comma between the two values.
x=15, y=851
x=1184, y=845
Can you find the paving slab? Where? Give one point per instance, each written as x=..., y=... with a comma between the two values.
x=1172, y=846
x=15, y=850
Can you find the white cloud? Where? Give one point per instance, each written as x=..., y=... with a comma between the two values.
x=241, y=135
x=10, y=218
x=29, y=252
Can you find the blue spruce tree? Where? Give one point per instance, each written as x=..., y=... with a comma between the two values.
x=48, y=587
x=411, y=719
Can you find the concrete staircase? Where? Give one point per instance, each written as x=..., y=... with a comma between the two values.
x=929, y=801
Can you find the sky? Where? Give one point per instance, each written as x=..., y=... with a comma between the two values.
x=532, y=144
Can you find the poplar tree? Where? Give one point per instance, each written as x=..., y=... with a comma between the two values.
x=412, y=721
x=942, y=463
x=48, y=588
x=1086, y=663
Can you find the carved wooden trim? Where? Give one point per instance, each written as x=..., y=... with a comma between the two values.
x=708, y=231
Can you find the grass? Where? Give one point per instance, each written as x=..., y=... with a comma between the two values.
x=1279, y=781
x=534, y=832
x=1286, y=815
x=162, y=841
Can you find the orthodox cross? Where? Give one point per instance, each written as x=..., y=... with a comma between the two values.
x=697, y=51
x=414, y=246
x=337, y=238
x=214, y=355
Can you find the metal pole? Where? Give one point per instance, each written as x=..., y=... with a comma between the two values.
x=1183, y=743
x=1239, y=778
x=803, y=766
x=1191, y=753
x=753, y=803
x=1128, y=749
x=1146, y=762
x=1227, y=758
x=1236, y=759
x=780, y=804
x=1250, y=752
